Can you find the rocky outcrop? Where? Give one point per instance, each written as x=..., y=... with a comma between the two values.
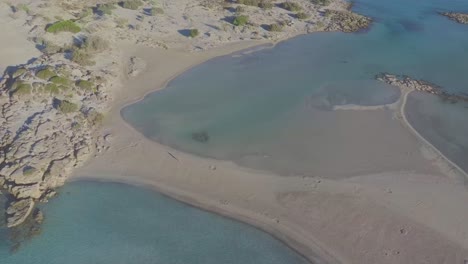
x=406, y=82
x=41, y=141
x=346, y=21
x=461, y=18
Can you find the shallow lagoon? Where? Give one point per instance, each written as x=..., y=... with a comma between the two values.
x=244, y=103
x=102, y=223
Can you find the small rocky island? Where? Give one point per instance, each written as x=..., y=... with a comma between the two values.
x=406, y=82
x=461, y=18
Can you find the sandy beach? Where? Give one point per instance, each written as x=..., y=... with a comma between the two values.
x=383, y=195
x=397, y=217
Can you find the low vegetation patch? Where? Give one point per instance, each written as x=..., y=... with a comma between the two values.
x=51, y=88
x=156, y=11
x=45, y=74
x=240, y=20
x=22, y=88
x=66, y=107
x=131, y=4
x=104, y=9
x=302, y=15
x=94, y=44
x=321, y=2
x=63, y=26
x=275, y=27
x=291, y=6
x=60, y=80
x=85, y=85
x=194, y=33
x=265, y=5
x=82, y=57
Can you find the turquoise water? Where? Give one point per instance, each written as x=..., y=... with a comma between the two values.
x=104, y=223
x=251, y=107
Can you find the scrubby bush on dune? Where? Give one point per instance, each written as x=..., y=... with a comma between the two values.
x=321, y=2
x=131, y=4
x=81, y=57
x=156, y=11
x=63, y=26
x=94, y=44
x=194, y=32
x=265, y=5
x=45, y=74
x=18, y=72
x=22, y=88
x=85, y=85
x=291, y=6
x=275, y=27
x=302, y=15
x=240, y=20
x=105, y=9
x=60, y=80
x=66, y=107
x=51, y=88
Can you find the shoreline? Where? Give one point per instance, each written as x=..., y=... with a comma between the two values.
x=291, y=241
x=184, y=190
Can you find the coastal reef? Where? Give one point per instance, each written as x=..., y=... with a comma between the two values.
x=461, y=18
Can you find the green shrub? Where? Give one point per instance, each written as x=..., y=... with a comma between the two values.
x=86, y=12
x=265, y=5
x=194, y=32
x=45, y=74
x=22, y=88
x=321, y=2
x=85, y=85
x=63, y=26
x=94, y=117
x=291, y=6
x=66, y=107
x=249, y=2
x=131, y=4
x=240, y=9
x=275, y=27
x=51, y=88
x=121, y=22
x=95, y=44
x=105, y=9
x=60, y=80
x=156, y=11
x=82, y=57
x=240, y=20
x=302, y=15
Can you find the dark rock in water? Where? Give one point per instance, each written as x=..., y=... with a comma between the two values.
x=200, y=136
x=29, y=228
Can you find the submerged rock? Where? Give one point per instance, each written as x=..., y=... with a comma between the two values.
x=200, y=136
x=18, y=211
x=461, y=18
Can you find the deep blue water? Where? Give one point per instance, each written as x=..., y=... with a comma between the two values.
x=105, y=223
x=242, y=103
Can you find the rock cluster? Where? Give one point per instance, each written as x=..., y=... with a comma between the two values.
x=40, y=141
x=419, y=85
x=346, y=21
x=461, y=18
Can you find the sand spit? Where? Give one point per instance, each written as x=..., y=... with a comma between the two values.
x=317, y=216
x=53, y=101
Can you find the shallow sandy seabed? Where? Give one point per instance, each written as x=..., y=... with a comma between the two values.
x=404, y=216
